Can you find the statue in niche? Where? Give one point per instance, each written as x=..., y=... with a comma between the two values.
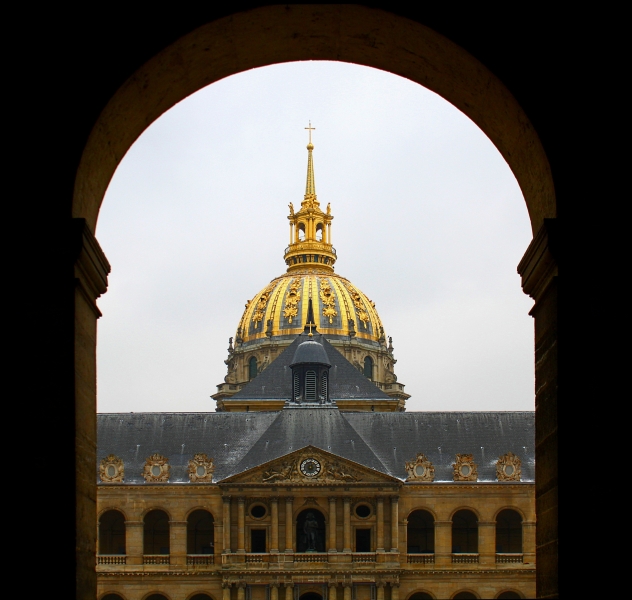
x=310, y=529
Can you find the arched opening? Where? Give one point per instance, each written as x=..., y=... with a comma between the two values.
x=111, y=596
x=319, y=232
x=464, y=532
x=301, y=232
x=156, y=597
x=509, y=532
x=368, y=367
x=310, y=531
x=156, y=533
x=112, y=533
x=464, y=596
x=252, y=367
x=311, y=596
x=201, y=597
x=420, y=596
x=420, y=532
x=509, y=595
x=200, y=532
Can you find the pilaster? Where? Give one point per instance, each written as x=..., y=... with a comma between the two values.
x=380, y=524
x=178, y=542
x=346, y=546
x=394, y=524
x=134, y=542
x=333, y=545
x=241, y=526
x=226, y=524
x=274, y=538
x=443, y=543
x=289, y=526
x=486, y=542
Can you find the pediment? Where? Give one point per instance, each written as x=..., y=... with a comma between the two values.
x=310, y=466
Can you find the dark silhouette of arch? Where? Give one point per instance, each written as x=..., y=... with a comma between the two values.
x=420, y=596
x=509, y=596
x=311, y=596
x=201, y=597
x=112, y=533
x=464, y=596
x=156, y=533
x=509, y=531
x=111, y=597
x=156, y=597
x=464, y=532
x=200, y=533
x=420, y=532
x=368, y=367
x=252, y=367
x=303, y=533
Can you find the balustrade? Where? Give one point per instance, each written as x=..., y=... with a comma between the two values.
x=111, y=559
x=363, y=557
x=509, y=558
x=463, y=557
x=200, y=559
x=422, y=559
x=310, y=557
x=155, y=559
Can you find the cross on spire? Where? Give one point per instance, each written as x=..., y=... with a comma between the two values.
x=310, y=325
x=310, y=128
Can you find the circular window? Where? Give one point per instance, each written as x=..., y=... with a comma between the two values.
x=111, y=470
x=156, y=470
x=465, y=470
x=258, y=511
x=420, y=470
x=363, y=511
x=509, y=470
x=200, y=471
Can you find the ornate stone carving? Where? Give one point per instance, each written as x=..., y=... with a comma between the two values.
x=260, y=308
x=111, y=469
x=357, y=302
x=292, y=299
x=156, y=468
x=508, y=467
x=420, y=469
x=465, y=468
x=201, y=468
x=328, y=299
x=291, y=471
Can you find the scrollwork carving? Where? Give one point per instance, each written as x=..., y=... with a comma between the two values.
x=508, y=467
x=260, y=308
x=292, y=299
x=465, y=468
x=156, y=468
x=111, y=469
x=328, y=299
x=201, y=468
x=420, y=469
x=359, y=305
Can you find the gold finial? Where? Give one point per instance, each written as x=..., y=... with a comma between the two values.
x=310, y=186
x=310, y=325
x=310, y=146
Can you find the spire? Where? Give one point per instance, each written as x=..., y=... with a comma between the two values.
x=310, y=186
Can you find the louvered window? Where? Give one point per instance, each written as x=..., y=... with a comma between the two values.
x=310, y=386
x=324, y=386
x=297, y=387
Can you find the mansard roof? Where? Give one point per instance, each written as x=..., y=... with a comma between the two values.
x=380, y=441
x=345, y=381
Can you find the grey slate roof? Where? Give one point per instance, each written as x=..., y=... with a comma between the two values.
x=382, y=441
x=345, y=381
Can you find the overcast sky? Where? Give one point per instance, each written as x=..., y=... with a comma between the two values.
x=429, y=222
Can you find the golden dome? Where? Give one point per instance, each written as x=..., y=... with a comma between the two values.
x=341, y=310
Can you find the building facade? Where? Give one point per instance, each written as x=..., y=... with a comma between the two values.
x=311, y=481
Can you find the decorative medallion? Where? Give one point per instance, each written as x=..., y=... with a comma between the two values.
x=328, y=300
x=420, y=469
x=201, y=468
x=292, y=299
x=262, y=303
x=111, y=469
x=310, y=467
x=156, y=468
x=508, y=467
x=465, y=468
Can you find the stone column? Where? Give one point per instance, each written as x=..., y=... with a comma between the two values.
x=241, y=526
x=394, y=524
x=332, y=525
x=178, y=542
x=274, y=591
x=538, y=270
x=333, y=591
x=289, y=591
x=274, y=541
x=380, y=524
x=289, y=526
x=347, y=528
x=226, y=525
x=134, y=542
x=528, y=542
x=394, y=591
x=226, y=591
x=443, y=542
x=347, y=591
x=487, y=542
x=241, y=590
x=380, y=590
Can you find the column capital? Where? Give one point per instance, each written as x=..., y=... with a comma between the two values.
x=274, y=499
x=380, y=499
x=333, y=499
x=241, y=585
x=289, y=585
x=226, y=498
x=241, y=499
x=394, y=584
x=289, y=499
x=333, y=584
x=274, y=585
x=394, y=498
x=226, y=584
x=380, y=584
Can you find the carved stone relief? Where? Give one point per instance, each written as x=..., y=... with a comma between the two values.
x=201, y=468
x=420, y=469
x=111, y=469
x=465, y=468
x=508, y=467
x=156, y=468
x=295, y=471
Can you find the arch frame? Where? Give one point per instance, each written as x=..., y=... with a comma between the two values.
x=515, y=591
x=104, y=595
x=515, y=509
x=471, y=509
x=149, y=594
x=424, y=591
x=428, y=510
x=102, y=511
x=192, y=595
x=468, y=590
x=146, y=511
x=190, y=511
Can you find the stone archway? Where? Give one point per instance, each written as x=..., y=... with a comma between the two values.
x=350, y=33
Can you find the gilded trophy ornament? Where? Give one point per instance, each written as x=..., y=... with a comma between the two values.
x=201, y=469
x=262, y=303
x=156, y=469
x=359, y=306
x=111, y=469
x=508, y=467
x=328, y=299
x=292, y=299
x=420, y=469
x=465, y=468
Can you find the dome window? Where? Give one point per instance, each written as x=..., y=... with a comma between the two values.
x=310, y=386
x=368, y=367
x=252, y=367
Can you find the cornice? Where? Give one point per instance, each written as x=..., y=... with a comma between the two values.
x=538, y=267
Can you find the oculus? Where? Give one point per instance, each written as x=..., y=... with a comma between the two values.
x=201, y=468
x=310, y=467
x=258, y=511
x=156, y=469
x=465, y=468
x=363, y=511
x=111, y=469
x=420, y=469
x=508, y=467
